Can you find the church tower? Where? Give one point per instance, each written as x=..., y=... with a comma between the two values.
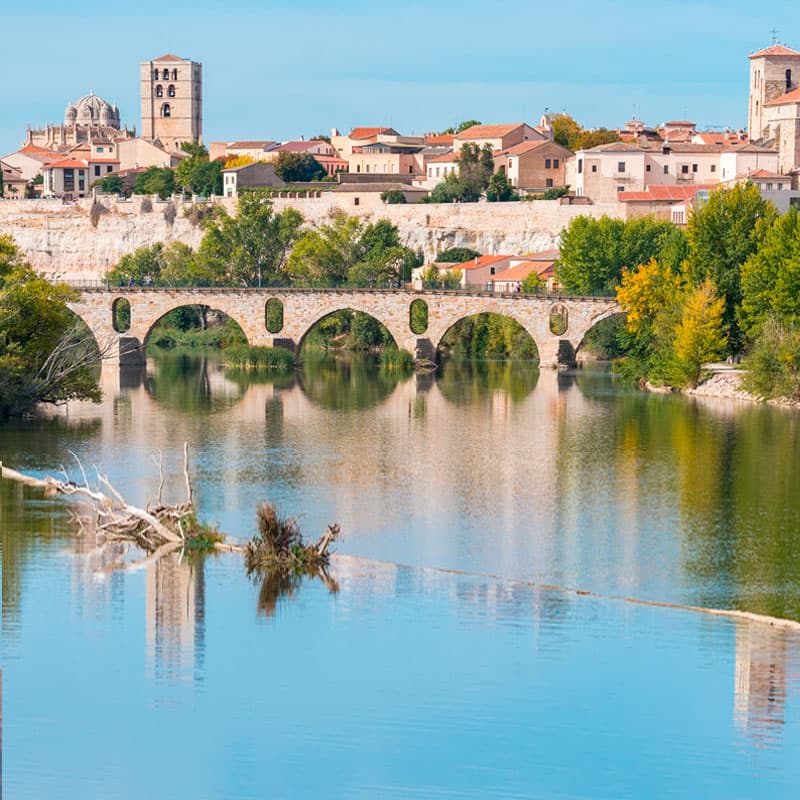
x=172, y=100
x=774, y=72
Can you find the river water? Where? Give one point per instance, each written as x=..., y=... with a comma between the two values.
x=484, y=635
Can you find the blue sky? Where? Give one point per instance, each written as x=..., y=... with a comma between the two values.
x=279, y=69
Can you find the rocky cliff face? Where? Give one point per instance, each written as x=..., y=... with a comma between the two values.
x=86, y=239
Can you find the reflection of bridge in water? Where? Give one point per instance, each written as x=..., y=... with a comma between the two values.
x=303, y=308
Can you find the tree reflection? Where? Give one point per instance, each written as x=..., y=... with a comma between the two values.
x=278, y=585
x=465, y=381
x=349, y=381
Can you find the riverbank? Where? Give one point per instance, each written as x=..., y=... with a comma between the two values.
x=726, y=382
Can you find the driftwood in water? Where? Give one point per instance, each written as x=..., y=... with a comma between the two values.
x=112, y=518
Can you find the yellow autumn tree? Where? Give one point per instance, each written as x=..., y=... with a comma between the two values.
x=700, y=334
x=646, y=292
x=238, y=161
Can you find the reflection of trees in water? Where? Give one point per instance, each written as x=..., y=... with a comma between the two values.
x=346, y=381
x=191, y=383
x=466, y=381
x=734, y=481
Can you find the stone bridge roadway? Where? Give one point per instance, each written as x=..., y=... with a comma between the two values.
x=303, y=308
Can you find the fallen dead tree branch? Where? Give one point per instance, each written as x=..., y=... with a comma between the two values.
x=157, y=529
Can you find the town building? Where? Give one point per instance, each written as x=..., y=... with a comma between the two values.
x=172, y=101
x=87, y=118
x=542, y=264
x=535, y=166
x=14, y=183
x=257, y=175
x=141, y=153
x=498, y=137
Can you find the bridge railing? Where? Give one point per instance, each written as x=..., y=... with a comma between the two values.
x=470, y=291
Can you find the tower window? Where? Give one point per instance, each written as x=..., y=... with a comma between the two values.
x=155, y=74
x=171, y=90
x=788, y=80
x=166, y=111
x=174, y=74
x=159, y=90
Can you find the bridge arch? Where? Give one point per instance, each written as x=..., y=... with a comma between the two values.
x=355, y=303
x=149, y=323
x=320, y=317
x=592, y=323
x=473, y=315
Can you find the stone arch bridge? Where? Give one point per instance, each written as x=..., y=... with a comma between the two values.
x=303, y=308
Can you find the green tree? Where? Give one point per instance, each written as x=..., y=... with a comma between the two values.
x=250, y=248
x=773, y=366
x=499, y=190
x=565, y=130
x=298, y=168
x=393, y=197
x=324, y=256
x=475, y=168
x=456, y=255
x=110, y=184
x=588, y=139
x=46, y=354
x=723, y=233
x=155, y=180
x=771, y=277
x=594, y=252
x=198, y=175
x=533, y=284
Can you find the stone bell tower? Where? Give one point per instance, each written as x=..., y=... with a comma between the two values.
x=172, y=100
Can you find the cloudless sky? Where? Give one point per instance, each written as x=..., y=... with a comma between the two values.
x=281, y=69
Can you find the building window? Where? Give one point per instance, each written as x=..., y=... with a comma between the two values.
x=666, y=169
x=166, y=111
x=788, y=80
x=171, y=91
x=159, y=90
x=713, y=167
x=694, y=167
x=155, y=74
x=355, y=201
x=547, y=163
x=548, y=184
x=779, y=187
x=685, y=169
x=100, y=150
x=97, y=170
x=580, y=166
x=174, y=74
x=647, y=168
x=109, y=168
x=769, y=185
x=555, y=163
x=594, y=167
x=620, y=188
x=620, y=166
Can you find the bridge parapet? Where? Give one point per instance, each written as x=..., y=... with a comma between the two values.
x=303, y=308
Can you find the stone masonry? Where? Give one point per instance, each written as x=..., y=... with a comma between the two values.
x=303, y=308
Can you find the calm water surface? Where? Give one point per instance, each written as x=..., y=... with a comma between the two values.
x=440, y=663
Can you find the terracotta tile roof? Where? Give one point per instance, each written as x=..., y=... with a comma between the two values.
x=775, y=50
x=66, y=163
x=442, y=138
x=487, y=131
x=444, y=158
x=765, y=173
x=545, y=255
x=790, y=97
x=521, y=271
x=525, y=147
x=103, y=160
x=679, y=122
x=169, y=57
x=709, y=137
x=480, y=261
x=32, y=148
x=663, y=194
x=368, y=133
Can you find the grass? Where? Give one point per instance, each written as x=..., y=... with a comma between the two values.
x=246, y=357
x=397, y=359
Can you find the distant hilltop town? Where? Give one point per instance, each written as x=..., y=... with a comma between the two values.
x=643, y=169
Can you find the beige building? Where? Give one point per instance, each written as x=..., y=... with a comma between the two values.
x=498, y=137
x=602, y=173
x=172, y=101
x=66, y=177
x=87, y=118
x=29, y=160
x=535, y=166
x=139, y=153
x=14, y=182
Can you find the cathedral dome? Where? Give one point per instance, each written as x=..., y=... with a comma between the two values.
x=93, y=110
x=70, y=114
